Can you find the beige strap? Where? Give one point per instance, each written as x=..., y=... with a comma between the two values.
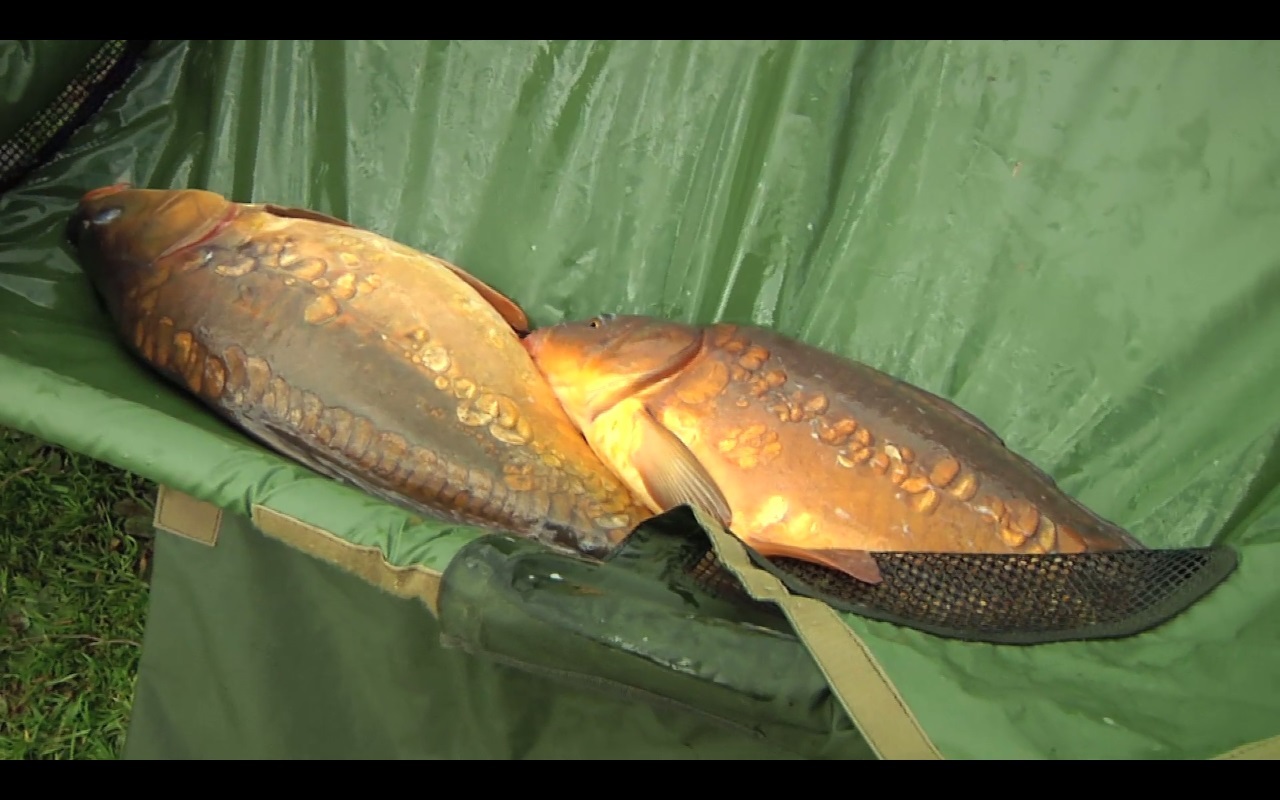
x=182, y=515
x=855, y=676
x=366, y=562
x=1263, y=750
x=857, y=679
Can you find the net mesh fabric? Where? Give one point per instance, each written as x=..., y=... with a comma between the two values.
x=1012, y=599
x=42, y=136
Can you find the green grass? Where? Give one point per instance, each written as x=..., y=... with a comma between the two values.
x=75, y=554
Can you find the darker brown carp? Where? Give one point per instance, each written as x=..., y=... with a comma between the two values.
x=361, y=358
x=799, y=452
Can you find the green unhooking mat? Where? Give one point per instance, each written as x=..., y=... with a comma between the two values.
x=1074, y=241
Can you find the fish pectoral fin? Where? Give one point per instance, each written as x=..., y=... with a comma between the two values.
x=508, y=308
x=673, y=475
x=857, y=563
x=304, y=213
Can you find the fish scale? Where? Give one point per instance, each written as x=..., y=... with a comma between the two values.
x=799, y=452
x=357, y=356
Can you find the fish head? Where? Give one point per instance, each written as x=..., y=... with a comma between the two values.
x=121, y=232
x=593, y=364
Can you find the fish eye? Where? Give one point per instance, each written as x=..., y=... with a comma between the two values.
x=106, y=215
x=599, y=320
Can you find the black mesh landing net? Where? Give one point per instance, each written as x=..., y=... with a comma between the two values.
x=39, y=140
x=1003, y=599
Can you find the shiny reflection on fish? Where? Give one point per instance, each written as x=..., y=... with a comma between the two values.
x=799, y=452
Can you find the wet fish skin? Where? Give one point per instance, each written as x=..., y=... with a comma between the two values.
x=363, y=359
x=800, y=452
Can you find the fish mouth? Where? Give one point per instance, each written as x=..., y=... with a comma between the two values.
x=77, y=221
x=75, y=227
x=532, y=342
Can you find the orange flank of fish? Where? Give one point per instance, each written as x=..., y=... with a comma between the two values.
x=357, y=356
x=799, y=452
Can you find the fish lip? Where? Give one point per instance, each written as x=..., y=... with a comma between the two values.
x=75, y=227
x=76, y=220
x=531, y=342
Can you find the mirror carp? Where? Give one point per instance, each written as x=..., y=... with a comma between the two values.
x=363, y=359
x=801, y=453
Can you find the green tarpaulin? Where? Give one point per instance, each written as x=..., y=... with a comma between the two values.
x=1076, y=241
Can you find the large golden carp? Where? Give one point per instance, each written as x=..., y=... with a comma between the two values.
x=799, y=452
x=356, y=356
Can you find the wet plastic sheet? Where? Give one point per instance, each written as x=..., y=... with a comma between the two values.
x=1074, y=241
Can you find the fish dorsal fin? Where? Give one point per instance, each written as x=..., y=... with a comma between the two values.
x=673, y=475
x=508, y=308
x=304, y=213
